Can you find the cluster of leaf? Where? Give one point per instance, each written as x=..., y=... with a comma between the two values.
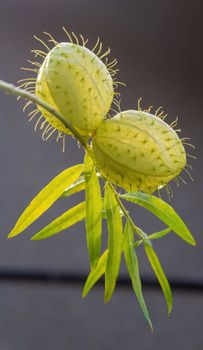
x=122, y=232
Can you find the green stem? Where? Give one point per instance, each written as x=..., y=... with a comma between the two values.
x=125, y=213
x=13, y=90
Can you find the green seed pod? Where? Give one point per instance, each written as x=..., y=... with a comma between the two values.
x=77, y=83
x=138, y=151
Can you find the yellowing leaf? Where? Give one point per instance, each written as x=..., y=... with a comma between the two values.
x=156, y=266
x=115, y=241
x=77, y=186
x=46, y=197
x=133, y=268
x=94, y=206
x=163, y=211
x=95, y=274
x=67, y=219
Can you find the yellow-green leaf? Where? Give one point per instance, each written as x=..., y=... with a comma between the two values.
x=133, y=269
x=115, y=241
x=67, y=219
x=77, y=186
x=95, y=274
x=163, y=211
x=158, y=270
x=94, y=206
x=136, y=244
x=46, y=197
x=159, y=234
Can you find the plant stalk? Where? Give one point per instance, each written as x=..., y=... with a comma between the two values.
x=13, y=90
x=125, y=212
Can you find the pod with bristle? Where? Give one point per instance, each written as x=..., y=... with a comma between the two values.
x=74, y=80
x=138, y=151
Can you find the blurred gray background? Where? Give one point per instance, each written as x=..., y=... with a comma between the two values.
x=159, y=48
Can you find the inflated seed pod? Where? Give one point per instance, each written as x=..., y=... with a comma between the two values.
x=77, y=83
x=138, y=151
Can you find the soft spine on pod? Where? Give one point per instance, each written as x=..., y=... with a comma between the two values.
x=138, y=151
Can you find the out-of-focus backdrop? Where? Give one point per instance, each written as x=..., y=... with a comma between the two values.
x=159, y=48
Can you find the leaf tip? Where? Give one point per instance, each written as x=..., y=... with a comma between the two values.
x=190, y=240
x=149, y=322
x=12, y=234
x=84, y=292
x=107, y=297
x=193, y=242
x=35, y=238
x=170, y=307
x=151, y=328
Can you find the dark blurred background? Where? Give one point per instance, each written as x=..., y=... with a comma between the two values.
x=159, y=47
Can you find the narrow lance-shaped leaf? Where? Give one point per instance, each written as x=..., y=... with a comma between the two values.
x=163, y=211
x=46, y=197
x=133, y=269
x=160, y=234
x=155, y=235
x=95, y=274
x=115, y=241
x=94, y=206
x=67, y=219
x=158, y=270
x=77, y=186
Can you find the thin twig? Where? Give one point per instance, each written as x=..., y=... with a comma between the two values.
x=13, y=90
x=125, y=213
